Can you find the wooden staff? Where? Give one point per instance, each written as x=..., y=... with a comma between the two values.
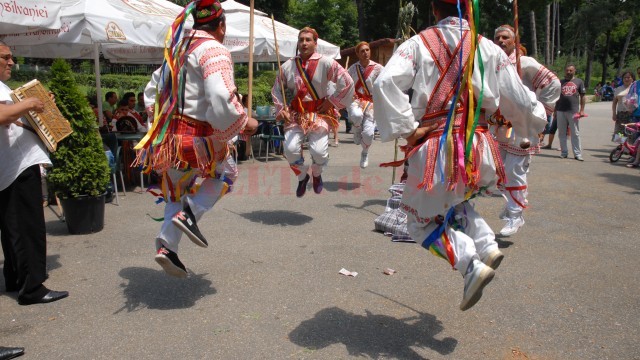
x=275, y=39
x=250, y=85
x=517, y=35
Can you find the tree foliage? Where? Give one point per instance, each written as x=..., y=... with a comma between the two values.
x=583, y=24
x=334, y=20
x=79, y=164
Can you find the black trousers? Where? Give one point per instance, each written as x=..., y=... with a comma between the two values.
x=23, y=234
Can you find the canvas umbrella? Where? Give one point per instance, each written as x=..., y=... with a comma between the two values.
x=130, y=31
x=17, y=14
x=237, y=36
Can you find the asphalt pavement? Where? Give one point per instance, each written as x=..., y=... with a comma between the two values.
x=268, y=286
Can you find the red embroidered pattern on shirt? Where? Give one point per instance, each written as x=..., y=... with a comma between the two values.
x=223, y=66
x=543, y=78
x=213, y=52
x=409, y=210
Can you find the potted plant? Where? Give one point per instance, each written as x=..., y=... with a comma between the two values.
x=80, y=173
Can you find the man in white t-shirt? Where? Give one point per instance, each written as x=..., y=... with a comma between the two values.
x=22, y=227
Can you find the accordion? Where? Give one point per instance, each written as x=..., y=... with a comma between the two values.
x=50, y=125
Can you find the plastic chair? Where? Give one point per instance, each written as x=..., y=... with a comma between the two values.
x=111, y=141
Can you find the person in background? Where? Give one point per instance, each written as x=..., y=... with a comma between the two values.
x=126, y=118
x=110, y=106
x=621, y=112
x=140, y=108
x=363, y=72
x=569, y=109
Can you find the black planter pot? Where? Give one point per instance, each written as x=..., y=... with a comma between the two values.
x=84, y=214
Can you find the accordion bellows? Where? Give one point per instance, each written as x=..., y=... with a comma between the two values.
x=50, y=125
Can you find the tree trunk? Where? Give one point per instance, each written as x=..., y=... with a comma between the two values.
x=589, y=50
x=605, y=55
x=534, y=40
x=553, y=34
x=547, y=23
x=623, y=54
x=360, y=9
x=558, y=30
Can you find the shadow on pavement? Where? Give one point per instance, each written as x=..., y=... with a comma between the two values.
x=340, y=186
x=365, y=204
x=153, y=289
x=629, y=180
x=276, y=217
x=502, y=243
x=57, y=228
x=607, y=151
x=375, y=336
x=52, y=262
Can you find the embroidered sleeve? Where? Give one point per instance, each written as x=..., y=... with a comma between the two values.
x=541, y=81
x=276, y=91
x=517, y=103
x=227, y=113
x=391, y=106
x=343, y=95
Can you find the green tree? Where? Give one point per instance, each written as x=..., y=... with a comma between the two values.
x=334, y=20
x=79, y=164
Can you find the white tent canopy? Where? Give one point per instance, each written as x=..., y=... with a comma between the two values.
x=35, y=13
x=264, y=48
x=134, y=31
x=130, y=31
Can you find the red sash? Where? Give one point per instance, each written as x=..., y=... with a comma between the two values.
x=361, y=83
x=307, y=77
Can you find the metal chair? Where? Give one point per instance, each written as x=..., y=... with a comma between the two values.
x=110, y=140
x=272, y=134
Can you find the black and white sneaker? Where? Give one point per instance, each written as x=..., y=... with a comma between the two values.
x=170, y=263
x=186, y=221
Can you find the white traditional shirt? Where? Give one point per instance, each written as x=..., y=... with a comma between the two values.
x=361, y=105
x=327, y=71
x=374, y=69
x=19, y=148
x=210, y=90
x=546, y=85
x=412, y=67
x=429, y=190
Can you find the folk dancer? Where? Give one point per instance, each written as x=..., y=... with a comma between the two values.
x=364, y=73
x=198, y=113
x=439, y=184
x=310, y=109
x=546, y=85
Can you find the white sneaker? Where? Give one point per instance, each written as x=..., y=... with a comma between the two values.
x=477, y=277
x=512, y=226
x=364, y=160
x=493, y=259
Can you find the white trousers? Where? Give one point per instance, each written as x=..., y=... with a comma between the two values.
x=209, y=192
x=566, y=118
x=318, y=147
x=475, y=240
x=365, y=131
x=516, y=168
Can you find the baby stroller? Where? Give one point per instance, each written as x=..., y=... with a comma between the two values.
x=607, y=93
